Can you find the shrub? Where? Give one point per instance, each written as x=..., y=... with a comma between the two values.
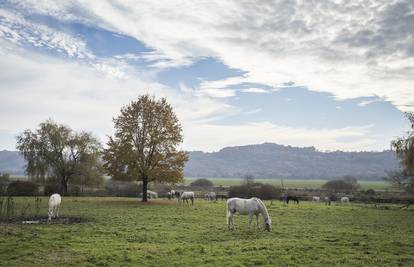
x=370, y=192
x=122, y=189
x=51, y=189
x=4, y=177
x=22, y=188
x=262, y=191
x=4, y=181
x=74, y=190
x=346, y=185
x=202, y=183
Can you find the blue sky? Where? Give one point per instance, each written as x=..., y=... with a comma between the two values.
x=236, y=73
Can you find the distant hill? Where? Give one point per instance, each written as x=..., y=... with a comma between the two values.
x=267, y=160
x=270, y=160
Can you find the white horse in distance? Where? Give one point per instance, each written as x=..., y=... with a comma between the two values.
x=253, y=206
x=344, y=199
x=316, y=199
x=186, y=196
x=210, y=196
x=54, y=205
x=152, y=194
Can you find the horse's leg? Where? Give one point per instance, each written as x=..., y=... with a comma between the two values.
x=192, y=201
x=250, y=219
x=257, y=220
x=50, y=214
x=57, y=211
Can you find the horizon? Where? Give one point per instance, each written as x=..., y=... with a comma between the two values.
x=338, y=77
x=270, y=143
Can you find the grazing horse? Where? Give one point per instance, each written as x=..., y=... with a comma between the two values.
x=186, y=196
x=292, y=198
x=327, y=201
x=54, y=205
x=252, y=206
x=316, y=199
x=151, y=194
x=211, y=196
x=344, y=199
x=172, y=193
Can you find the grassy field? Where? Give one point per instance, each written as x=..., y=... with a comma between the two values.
x=378, y=185
x=125, y=232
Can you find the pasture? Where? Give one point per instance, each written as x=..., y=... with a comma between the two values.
x=124, y=231
x=291, y=183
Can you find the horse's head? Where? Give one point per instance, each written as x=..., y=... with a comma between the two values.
x=268, y=224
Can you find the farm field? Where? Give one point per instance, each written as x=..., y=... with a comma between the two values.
x=378, y=185
x=124, y=231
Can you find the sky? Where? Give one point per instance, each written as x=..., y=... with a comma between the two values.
x=336, y=75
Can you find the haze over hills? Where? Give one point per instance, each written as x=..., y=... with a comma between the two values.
x=11, y=162
x=266, y=160
x=271, y=160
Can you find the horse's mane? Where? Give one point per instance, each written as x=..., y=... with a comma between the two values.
x=262, y=205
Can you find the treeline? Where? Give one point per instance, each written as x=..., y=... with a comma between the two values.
x=144, y=148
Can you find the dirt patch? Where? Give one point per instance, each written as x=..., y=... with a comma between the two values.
x=44, y=220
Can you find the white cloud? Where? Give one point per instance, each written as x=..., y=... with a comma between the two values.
x=254, y=111
x=15, y=28
x=35, y=87
x=91, y=100
x=368, y=102
x=347, y=48
x=254, y=90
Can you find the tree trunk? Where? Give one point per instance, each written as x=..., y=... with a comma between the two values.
x=144, y=189
x=64, y=187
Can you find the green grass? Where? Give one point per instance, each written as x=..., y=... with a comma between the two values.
x=313, y=184
x=125, y=232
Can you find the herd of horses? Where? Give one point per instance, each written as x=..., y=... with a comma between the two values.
x=251, y=207
x=326, y=200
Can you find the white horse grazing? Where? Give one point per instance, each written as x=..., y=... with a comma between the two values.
x=253, y=206
x=316, y=199
x=54, y=205
x=210, y=196
x=172, y=192
x=152, y=194
x=186, y=196
x=344, y=199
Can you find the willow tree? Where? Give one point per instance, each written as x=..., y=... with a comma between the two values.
x=404, y=148
x=145, y=144
x=54, y=151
